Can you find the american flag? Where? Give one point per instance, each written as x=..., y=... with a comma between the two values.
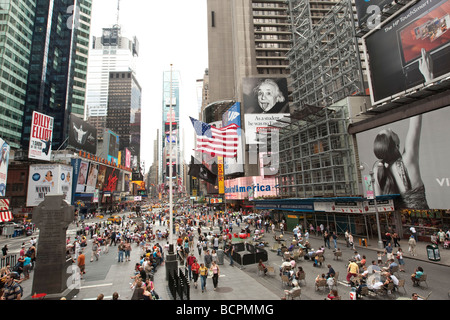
x=221, y=142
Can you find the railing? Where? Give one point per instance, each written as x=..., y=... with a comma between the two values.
x=10, y=260
x=179, y=286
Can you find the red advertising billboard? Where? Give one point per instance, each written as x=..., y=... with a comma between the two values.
x=409, y=51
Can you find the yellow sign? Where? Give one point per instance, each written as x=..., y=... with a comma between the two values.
x=220, y=176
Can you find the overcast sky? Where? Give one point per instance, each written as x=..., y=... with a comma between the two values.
x=169, y=32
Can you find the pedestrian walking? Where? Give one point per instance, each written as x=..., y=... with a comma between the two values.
x=334, y=236
x=401, y=261
x=215, y=274
x=203, y=271
x=412, y=245
x=81, y=263
x=94, y=251
x=127, y=251
x=5, y=250
x=121, y=250
x=229, y=249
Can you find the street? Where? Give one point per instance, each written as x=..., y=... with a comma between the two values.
x=107, y=275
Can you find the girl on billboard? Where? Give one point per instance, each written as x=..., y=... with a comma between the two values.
x=398, y=172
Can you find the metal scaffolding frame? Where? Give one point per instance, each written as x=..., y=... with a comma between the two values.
x=316, y=154
x=325, y=59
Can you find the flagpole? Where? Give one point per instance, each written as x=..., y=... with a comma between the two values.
x=170, y=166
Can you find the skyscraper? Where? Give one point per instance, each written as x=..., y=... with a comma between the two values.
x=57, y=69
x=109, y=53
x=16, y=33
x=171, y=81
x=124, y=110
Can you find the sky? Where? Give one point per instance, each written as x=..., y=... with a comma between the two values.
x=169, y=32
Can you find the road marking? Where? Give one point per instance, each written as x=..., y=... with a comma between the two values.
x=97, y=285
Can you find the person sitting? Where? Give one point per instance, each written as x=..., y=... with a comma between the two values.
x=331, y=271
x=392, y=264
x=290, y=293
x=319, y=278
x=333, y=295
x=415, y=277
x=262, y=266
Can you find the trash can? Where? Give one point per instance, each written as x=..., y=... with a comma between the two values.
x=220, y=255
x=433, y=252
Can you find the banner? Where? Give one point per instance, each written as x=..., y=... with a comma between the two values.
x=52, y=179
x=410, y=50
x=41, y=137
x=220, y=176
x=92, y=178
x=82, y=135
x=199, y=170
x=82, y=176
x=4, y=162
x=426, y=179
x=265, y=102
x=233, y=115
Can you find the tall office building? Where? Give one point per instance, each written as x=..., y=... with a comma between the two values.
x=57, y=67
x=245, y=38
x=16, y=34
x=124, y=110
x=171, y=81
x=109, y=53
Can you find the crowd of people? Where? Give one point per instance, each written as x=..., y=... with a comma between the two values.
x=198, y=251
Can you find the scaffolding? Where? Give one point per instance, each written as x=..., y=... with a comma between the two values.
x=325, y=58
x=316, y=154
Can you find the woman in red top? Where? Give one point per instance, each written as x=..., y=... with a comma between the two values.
x=195, y=267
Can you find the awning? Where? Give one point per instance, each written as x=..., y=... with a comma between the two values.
x=6, y=216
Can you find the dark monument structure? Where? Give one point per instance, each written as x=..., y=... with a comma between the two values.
x=53, y=268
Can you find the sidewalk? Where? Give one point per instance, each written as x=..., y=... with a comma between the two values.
x=235, y=283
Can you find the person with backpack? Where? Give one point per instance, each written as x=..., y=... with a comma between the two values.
x=11, y=290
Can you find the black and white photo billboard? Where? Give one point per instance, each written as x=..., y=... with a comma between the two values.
x=413, y=154
x=82, y=135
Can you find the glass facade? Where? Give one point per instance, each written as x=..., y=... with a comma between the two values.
x=54, y=76
x=16, y=31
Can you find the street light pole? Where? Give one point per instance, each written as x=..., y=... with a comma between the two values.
x=171, y=226
x=372, y=181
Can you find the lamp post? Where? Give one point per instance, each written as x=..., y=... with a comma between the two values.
x=372, y=182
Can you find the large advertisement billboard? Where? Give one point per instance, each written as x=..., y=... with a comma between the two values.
x=4, y=162
x=41, y=136
x=233, y=115
x=49, y=179
x=414, y=155
x=265, y=101
x=111, y=146
x=410, y=50
x=250, y=188
x=82, y=135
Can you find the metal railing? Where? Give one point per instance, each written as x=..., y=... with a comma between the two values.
x=179, y=286
x=10, y=260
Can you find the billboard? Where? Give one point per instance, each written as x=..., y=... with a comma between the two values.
x=4, y=162
x=49, y=179
x=41, y=137
x=111, y=179
x=414, y=153
x=111, y=146
x=410, y=50
x=265, y=101
x=250, y=187
x=82, y=176
x=82, y=135
x=101, y=177
x=127, y=158
x=92, y=178
x=233, y=115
